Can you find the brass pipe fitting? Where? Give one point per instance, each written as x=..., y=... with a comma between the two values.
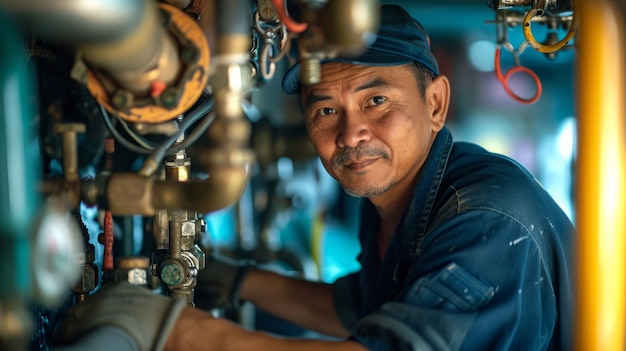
x=68, y=133
x=129, y=193
x=223, y=188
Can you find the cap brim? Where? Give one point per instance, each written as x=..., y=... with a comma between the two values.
x=291, y=79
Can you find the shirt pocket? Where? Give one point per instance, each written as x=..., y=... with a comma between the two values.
x=450, y=289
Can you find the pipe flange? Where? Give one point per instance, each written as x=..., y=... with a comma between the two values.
x=174, y=100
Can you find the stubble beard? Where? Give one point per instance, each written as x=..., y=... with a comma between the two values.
x=357, y=152
x=369, y=191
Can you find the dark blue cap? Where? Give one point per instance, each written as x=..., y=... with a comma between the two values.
x=400, y=39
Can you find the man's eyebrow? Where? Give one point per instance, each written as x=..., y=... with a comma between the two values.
x=312, y=98
x=374, y=83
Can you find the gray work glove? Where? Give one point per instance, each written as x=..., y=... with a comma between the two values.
x=219, y=283
x=148, y=318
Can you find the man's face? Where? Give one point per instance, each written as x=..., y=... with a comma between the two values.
x=370, y=126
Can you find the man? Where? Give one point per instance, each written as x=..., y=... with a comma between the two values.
x=461, y=249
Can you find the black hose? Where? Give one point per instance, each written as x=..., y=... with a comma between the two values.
x=168, y=146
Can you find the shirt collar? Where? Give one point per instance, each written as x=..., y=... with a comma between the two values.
x=415, y=219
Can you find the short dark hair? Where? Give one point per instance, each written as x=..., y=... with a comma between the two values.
x=423, y=76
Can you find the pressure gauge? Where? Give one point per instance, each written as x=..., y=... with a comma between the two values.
x=55, y=267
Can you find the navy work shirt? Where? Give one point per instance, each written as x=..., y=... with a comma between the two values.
x=479, y=262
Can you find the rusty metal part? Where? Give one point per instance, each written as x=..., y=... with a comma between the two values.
x=165, y=87
x=129, y=262
x=107, y=262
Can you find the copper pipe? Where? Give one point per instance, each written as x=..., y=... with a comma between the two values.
x=601, y=177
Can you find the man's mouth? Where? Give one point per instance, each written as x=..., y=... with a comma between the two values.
x=360, y=164
x=359, y=157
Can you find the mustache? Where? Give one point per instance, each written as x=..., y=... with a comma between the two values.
x=354, y=153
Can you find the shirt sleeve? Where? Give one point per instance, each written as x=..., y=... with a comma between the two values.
x=481, y=283
x=346, y=300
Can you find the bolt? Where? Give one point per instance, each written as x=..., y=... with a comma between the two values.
x=169, y=98
x=122, y=99
x=172, y=274
x=190, y=54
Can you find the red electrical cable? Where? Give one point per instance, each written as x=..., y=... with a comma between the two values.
x=107, y=260
x=292, y=26
x=505, y=80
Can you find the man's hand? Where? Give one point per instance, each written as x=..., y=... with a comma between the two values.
x=219, y=283
x=148, y=318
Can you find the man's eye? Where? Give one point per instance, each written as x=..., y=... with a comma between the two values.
x=325, y=111
x=376, y=100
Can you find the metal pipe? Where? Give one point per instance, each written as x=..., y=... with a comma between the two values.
x=234, y=30
x=601, y=176
x=129, y=193
x=124, y=38
x=84, y=21
x=140, y=48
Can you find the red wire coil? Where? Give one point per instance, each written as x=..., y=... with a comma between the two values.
x=504, y=79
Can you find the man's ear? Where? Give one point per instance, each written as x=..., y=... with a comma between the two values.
x=438, y=98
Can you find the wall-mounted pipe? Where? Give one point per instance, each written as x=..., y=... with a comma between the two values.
x=601, y=176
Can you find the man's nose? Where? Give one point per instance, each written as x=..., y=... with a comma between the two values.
x=354, y=129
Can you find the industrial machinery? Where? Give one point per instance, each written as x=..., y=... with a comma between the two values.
x=141, y=111
x=556, y=16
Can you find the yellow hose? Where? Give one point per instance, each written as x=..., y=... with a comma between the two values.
x=548, y=48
